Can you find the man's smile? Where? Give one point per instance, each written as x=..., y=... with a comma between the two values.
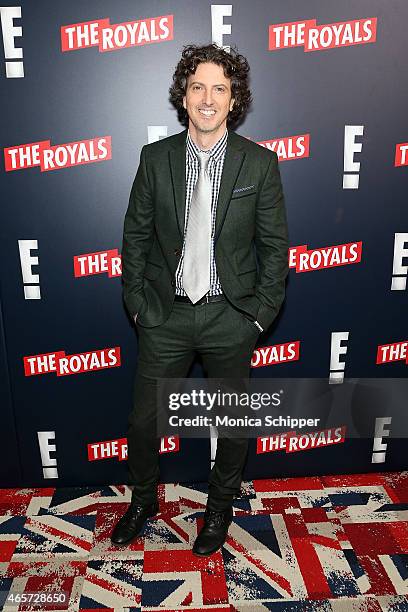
x=207, y=112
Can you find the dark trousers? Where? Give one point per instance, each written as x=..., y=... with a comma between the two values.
x=225, y=339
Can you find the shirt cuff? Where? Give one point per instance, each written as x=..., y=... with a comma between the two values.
x=258, y=326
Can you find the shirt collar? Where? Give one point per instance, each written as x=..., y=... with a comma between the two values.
x=215, y=152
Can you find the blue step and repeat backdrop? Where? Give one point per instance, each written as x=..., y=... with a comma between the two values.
x=84, y=87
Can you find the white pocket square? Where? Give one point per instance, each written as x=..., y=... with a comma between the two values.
x=239, y=189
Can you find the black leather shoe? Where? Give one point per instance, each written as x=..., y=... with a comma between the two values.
x=214, y=532
x=130, y=524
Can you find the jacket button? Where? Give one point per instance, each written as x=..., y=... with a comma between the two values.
x=173, y=283
x=177, y=252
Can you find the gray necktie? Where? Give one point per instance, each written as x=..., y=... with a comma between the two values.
x=196, y=265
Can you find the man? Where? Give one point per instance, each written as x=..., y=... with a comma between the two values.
x=204, y=262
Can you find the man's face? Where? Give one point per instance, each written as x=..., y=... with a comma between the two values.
x=208, y=98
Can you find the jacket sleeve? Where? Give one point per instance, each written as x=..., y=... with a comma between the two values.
x=137, y=237
x=272, y=244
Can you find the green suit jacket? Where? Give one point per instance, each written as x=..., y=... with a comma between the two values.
x=251, y=235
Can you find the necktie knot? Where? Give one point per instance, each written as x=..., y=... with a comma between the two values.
x=203, y=158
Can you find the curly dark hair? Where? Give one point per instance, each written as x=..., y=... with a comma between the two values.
x=235, y=67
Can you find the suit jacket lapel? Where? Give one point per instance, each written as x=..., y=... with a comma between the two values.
x=234, y=157
x=177, y=159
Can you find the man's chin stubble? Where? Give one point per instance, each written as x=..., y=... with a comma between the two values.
x=206, y=130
